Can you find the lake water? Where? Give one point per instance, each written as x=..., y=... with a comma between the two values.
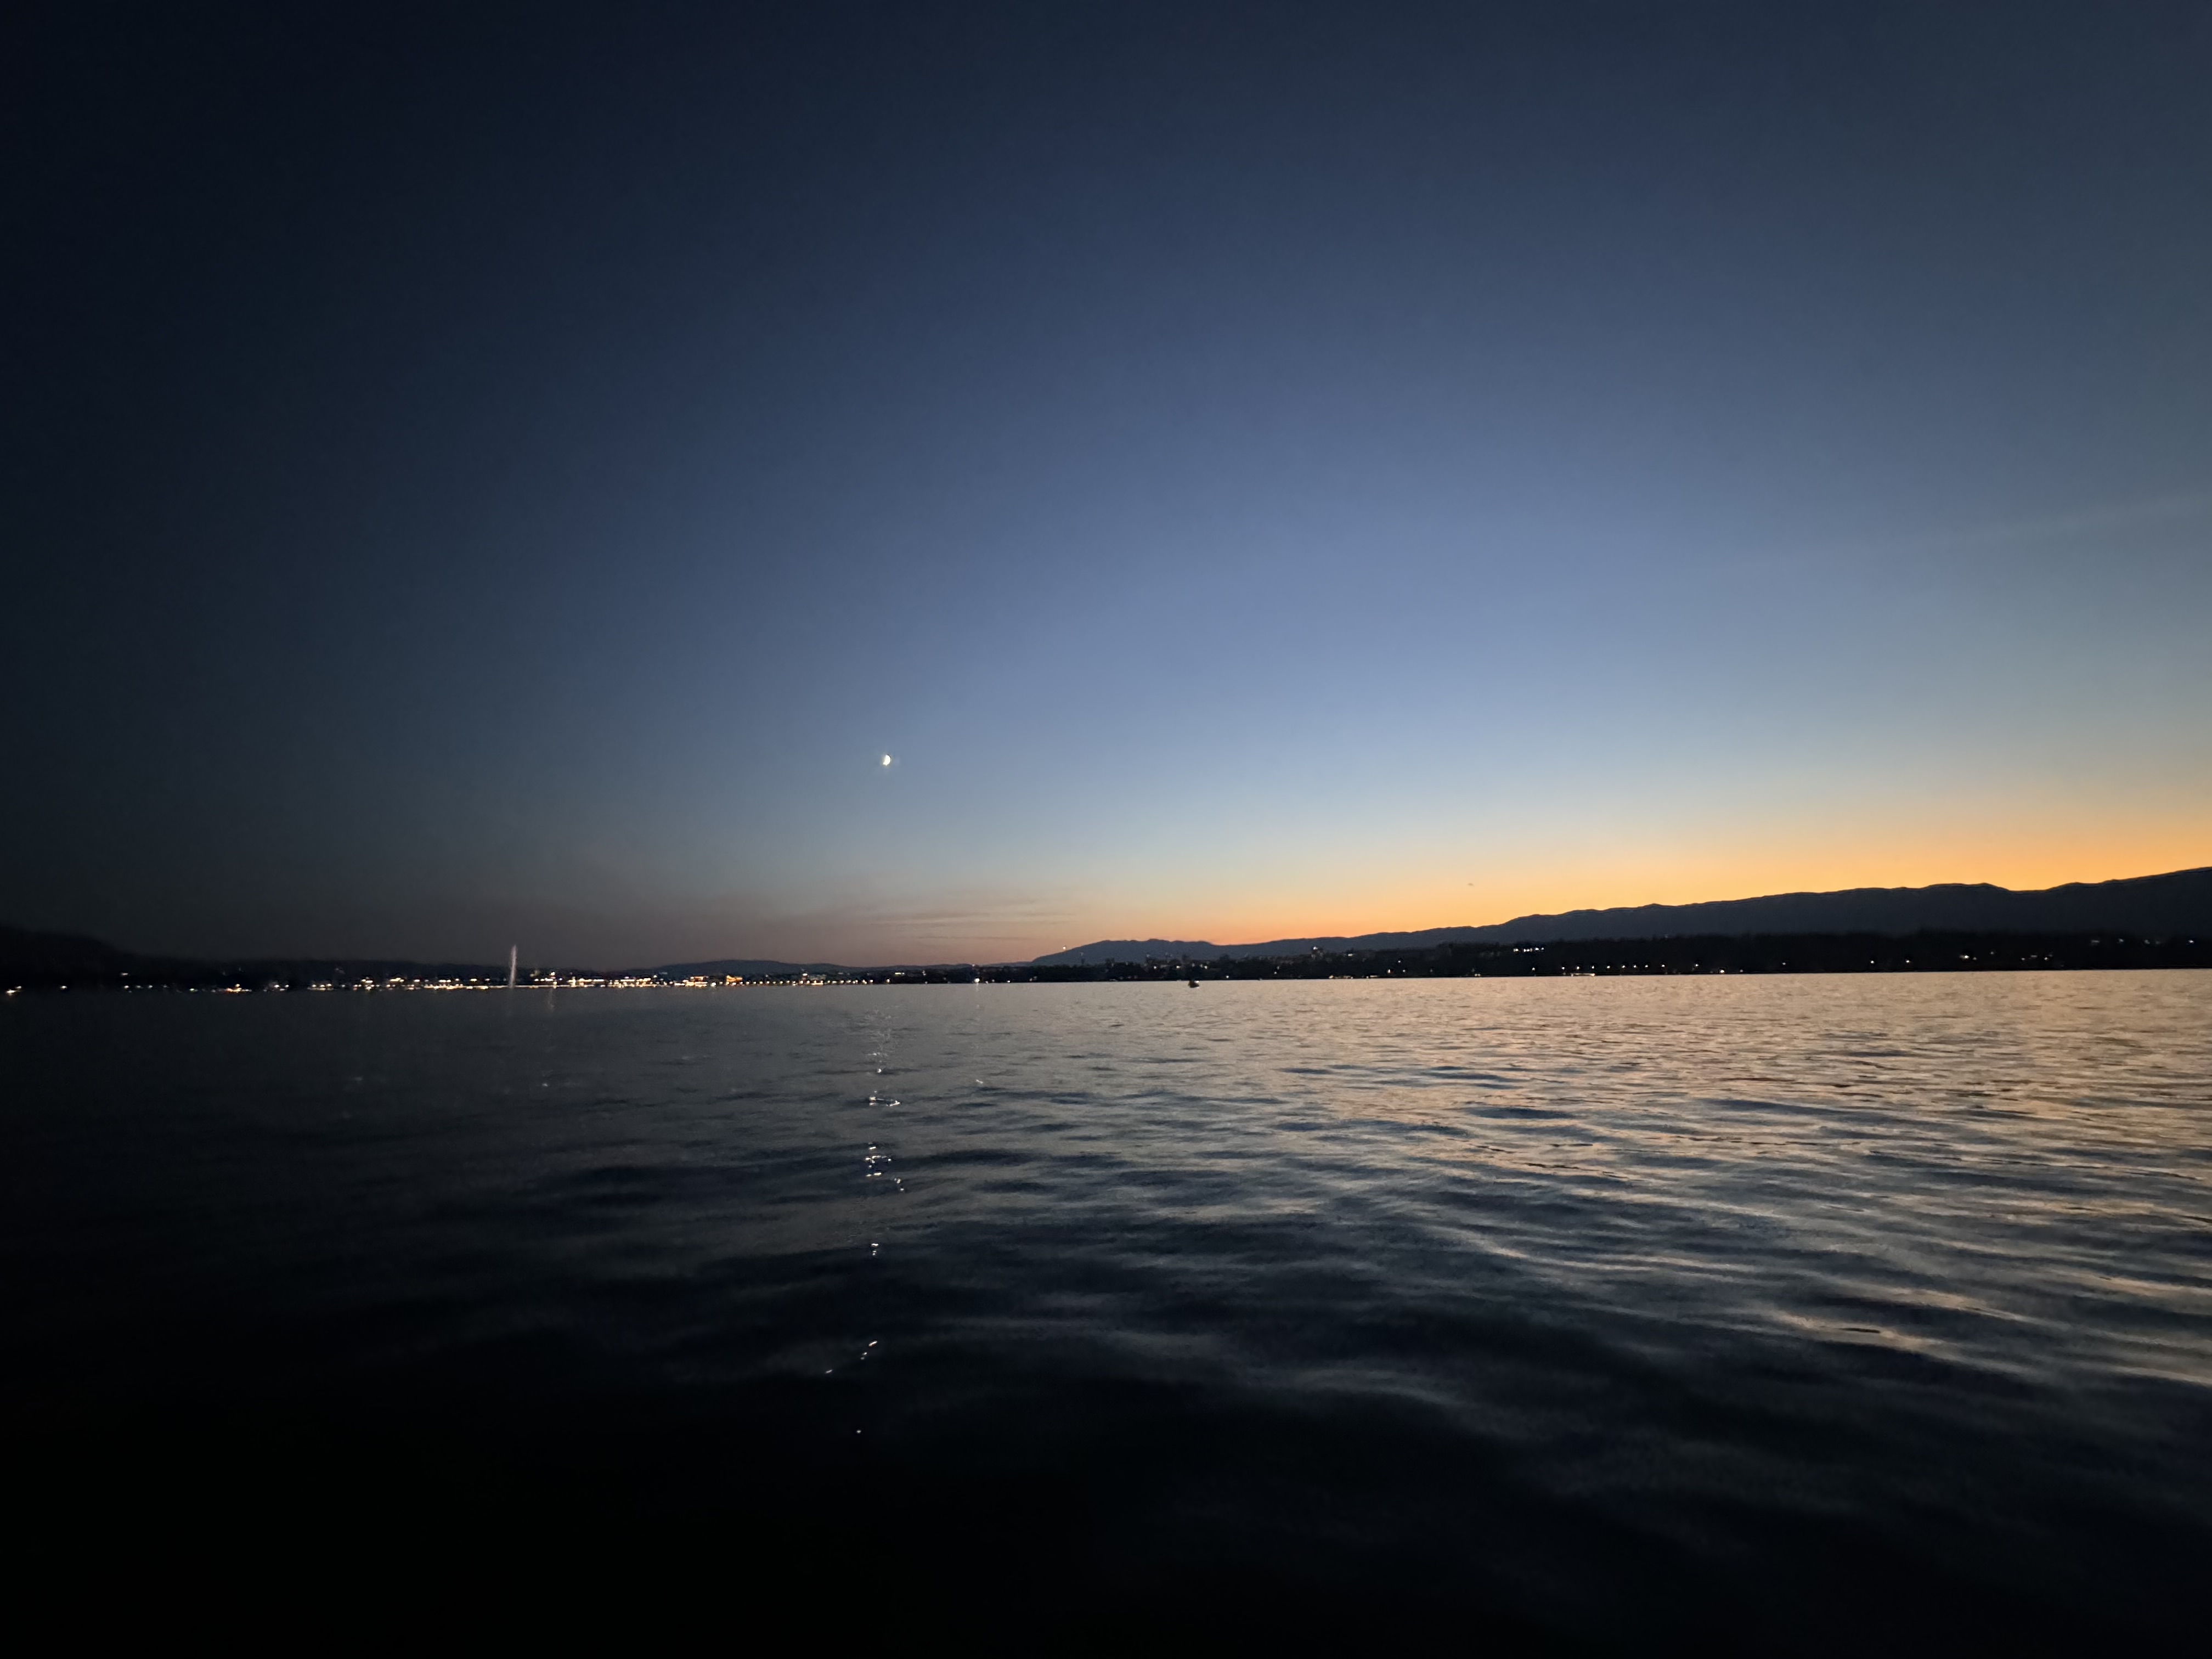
x=1792, y=1312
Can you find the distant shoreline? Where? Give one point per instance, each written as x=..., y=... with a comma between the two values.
x=2138, y=922
x=87, y=966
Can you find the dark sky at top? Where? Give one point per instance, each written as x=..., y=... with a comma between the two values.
x=474, y=476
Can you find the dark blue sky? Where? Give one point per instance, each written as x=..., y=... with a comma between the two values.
x=1260, y=471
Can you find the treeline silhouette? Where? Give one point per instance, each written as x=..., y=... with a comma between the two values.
x=1930, y=952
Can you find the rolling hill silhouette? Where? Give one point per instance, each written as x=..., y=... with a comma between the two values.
x=2178, y=903
x=2175, y=906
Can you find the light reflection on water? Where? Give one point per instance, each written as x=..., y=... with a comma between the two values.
x=1724, y=1270
x=1975, y=1156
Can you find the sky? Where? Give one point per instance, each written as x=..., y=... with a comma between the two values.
x=477, y=476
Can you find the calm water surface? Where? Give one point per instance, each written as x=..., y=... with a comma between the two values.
x=1766, y=1312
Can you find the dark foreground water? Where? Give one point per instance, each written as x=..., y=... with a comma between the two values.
x=1770, y=1313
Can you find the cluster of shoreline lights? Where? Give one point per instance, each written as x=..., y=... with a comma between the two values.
x=541, y=981
x=550, y=980
x=547, y=982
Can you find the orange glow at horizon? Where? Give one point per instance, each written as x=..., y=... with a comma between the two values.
x=1714, y=870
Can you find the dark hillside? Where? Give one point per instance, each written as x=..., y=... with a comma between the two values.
x=2177, y=904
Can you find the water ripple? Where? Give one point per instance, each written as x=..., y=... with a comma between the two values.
x=1700, y=1283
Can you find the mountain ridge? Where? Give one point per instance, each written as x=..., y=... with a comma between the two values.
x=2174, y=902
